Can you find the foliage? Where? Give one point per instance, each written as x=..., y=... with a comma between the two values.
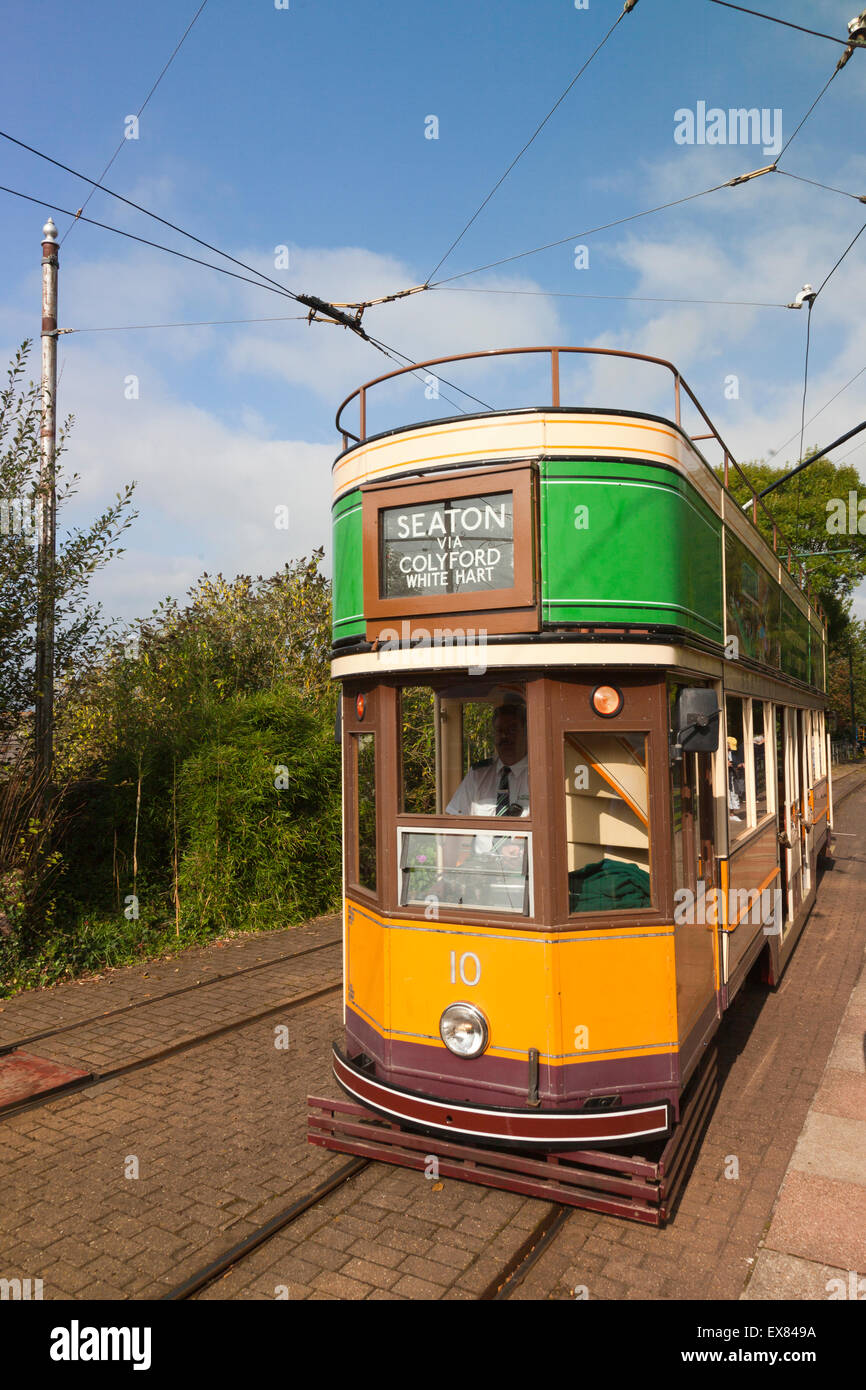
x=232, y=637
x=803, y=511
x=840, y=671
x=259, y=810
x=169, y=747
x=31, y=821
x=806, y=510
x=80, y=630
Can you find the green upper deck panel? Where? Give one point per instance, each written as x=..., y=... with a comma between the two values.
x=348, y=600
x=631, y=543
x=620, y=543
x=628, y=543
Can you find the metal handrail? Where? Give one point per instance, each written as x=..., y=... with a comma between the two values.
x=680, y=384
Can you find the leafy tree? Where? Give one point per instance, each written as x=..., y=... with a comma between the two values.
x=815, y=514
x=156, y=686
x=259, y=809
x=80, y=630
x=806, y=509
x=163, y=702
x=847, y=659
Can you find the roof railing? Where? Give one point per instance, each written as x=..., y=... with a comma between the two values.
x=680, y=385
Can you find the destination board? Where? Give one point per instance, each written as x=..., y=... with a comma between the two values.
x=449, y=546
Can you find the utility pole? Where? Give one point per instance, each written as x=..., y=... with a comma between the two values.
x=851, y=692
x=47, y=513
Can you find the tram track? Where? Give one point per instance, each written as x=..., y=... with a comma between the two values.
x=540, y=1238
x=150, y=1000
x=500, y=1288
x=99, y=1077
x=215, y=1269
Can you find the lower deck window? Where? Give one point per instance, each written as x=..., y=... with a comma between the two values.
x=474, y=869
x=759, y=753
x=735, y=725
x=365, y=784
x=607, y=821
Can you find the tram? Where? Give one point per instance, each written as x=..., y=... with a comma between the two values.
x=586, y=767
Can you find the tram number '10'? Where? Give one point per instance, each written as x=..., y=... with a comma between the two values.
x=469, y=966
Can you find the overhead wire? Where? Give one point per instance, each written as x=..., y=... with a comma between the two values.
x=173, y=226
x=194, y=323
x=265, y=282
x=803, y=415
x=482, y=205
x=854, y=378
x=145, y=241
x=165, y=69
x=590, y=231
x=832, y=272
x=799, y=127
x=395, y=354
x=775, y=20
x=630, y=298
x=862, y=445
x=316, y=305
x=447, y=282
x=828, y=187
x=773, y=168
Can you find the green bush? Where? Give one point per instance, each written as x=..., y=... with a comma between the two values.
x=196, y=786
x=259, y=816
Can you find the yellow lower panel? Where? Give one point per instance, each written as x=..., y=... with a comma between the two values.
x=572, y=995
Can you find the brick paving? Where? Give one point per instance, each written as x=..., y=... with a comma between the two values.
x=98, y=1044
x=37, y=1010
x=818, y=1230
x=218, y=1137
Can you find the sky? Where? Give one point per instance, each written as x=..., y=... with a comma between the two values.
x=308, y=128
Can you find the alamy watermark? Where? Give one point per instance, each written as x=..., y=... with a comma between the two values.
x=846, y=517
x=20, y=1290
x=736, y=126
x=414, y=638
x=706, y=907
x=21, y=516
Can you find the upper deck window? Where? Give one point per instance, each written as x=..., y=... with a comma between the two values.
x=456, y=545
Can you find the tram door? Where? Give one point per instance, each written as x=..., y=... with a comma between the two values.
x=700, y=781
x=782, y=815
x=804, y=719
x=694, y=868
x=793, y=758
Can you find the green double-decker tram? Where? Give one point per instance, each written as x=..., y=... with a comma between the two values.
x=586, y=776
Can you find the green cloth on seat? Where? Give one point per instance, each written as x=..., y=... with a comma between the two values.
x=606, y=885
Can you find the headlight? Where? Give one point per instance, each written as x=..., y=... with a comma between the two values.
x=464, y=1030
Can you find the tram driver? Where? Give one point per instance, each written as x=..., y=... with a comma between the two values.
x=499, y=787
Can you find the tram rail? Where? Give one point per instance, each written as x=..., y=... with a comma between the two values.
x=30, y=1038
x=540, y=1238
x=96, y=1078
x=214, y=1270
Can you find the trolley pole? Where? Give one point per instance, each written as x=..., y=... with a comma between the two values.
x=47, y=515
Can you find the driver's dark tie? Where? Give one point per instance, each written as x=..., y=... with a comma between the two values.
x=503, y=799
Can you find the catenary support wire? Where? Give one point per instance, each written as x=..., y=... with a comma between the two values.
x=141, y=108
x=629, y=5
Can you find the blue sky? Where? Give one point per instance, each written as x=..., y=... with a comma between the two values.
x=305, y=127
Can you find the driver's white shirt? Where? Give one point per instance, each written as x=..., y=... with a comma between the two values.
x=479, y=790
